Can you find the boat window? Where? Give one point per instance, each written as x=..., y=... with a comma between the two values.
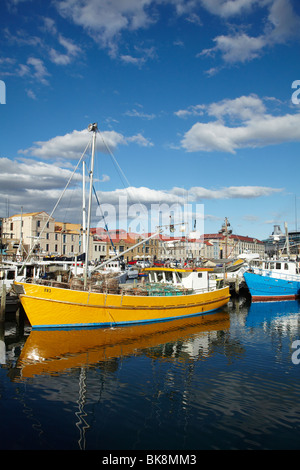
x=278, y=265
x=159, y=276
x=169, y=276
x=10, y=274
x=199, y=274
x=271, y=265
x=286, y=266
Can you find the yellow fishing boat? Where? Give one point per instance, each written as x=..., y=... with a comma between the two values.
x=170, y=294
x=47, y=306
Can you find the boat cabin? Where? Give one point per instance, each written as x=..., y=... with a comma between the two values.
x=10, y=273
x=277, y=266
x=197, y=279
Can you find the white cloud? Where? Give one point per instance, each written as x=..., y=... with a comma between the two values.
x=281, y=25
x=196, y=110
x=237, y=48
x=244, y=108
x=140, y=140
x=139, y=114
x=64, y=59
x=71, y=146
x=31, y=94
x=38, y=185
x=259, y=132
x=175, y=195
x=241, y=123
x=40, y=71
x=105, y=20
x=228, y=8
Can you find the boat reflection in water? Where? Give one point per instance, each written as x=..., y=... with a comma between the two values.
x=54, y=351
x=263, y=313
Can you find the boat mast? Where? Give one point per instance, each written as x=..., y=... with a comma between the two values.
x=83, y=210
x=19, y=252
x=287, y=239
x=92, y=128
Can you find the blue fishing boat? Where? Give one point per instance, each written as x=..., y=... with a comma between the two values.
x=270, y=280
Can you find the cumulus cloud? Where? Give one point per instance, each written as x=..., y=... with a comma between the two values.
x=71, y=146
x=260, y=132
x=105, y=20
x=38, y=185
x=281, y=25
x=243, y=122
x=229, y=8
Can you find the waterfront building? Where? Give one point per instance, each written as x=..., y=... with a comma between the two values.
x=66, y=239
x=118, y=242
x=234, y=245
x=36, y=232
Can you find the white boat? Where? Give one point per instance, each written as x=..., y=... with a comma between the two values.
x=132, y=273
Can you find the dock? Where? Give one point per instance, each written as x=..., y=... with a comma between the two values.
x=9, y=303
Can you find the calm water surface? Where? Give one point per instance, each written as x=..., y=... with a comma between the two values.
x=222, y=381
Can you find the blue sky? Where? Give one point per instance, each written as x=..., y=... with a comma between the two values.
x=193, y=98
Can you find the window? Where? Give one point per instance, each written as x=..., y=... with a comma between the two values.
x=38, y=223
x=55, y=248
x=47, y=236
x=56, y=236
x=278, y=265
x=47, y=247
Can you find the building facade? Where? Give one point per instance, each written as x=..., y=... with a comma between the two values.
x=232, y=246
x=38, y=233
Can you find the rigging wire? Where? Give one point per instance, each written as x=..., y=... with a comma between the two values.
x=103, y=217
x=58, y=201
x=121, y=172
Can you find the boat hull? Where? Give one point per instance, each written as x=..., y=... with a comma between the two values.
x=48, y=307
x=267, y=288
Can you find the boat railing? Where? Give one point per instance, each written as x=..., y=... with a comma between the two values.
x=277, y=274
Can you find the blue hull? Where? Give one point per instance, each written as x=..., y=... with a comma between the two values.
x=268, y=288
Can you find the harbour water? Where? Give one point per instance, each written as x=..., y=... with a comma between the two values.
x=229, y=380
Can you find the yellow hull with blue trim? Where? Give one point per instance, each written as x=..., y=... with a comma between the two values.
x=55, y=307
